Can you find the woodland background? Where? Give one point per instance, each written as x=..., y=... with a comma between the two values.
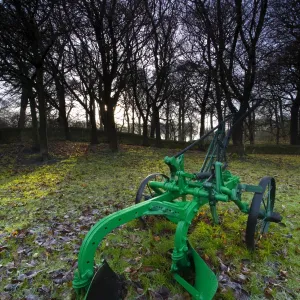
x=173, y=69
x=145, y=72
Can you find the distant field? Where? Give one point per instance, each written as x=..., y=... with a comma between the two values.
x=46, y=210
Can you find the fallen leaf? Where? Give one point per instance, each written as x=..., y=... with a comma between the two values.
x=223, y=267
x=5, y=296
x=11, y=287
x=128, y=270
x=241, y=278
x=268, y=292
x=147, y=269
x=164, y=292
x=206, y=257
x=283, y=273
x=2, y=248
x=246, y=270
x=157, y=238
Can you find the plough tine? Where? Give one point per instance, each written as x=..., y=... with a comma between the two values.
x=205, y=283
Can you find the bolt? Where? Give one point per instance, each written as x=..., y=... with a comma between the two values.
x=88, y=274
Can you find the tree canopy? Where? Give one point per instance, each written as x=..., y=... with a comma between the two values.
x=174, y=67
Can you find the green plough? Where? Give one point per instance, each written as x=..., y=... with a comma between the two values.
x=179, y=197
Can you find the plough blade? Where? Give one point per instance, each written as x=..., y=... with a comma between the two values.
x=205, y=284
x=105, y=285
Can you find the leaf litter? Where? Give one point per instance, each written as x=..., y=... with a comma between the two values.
x=46, y=210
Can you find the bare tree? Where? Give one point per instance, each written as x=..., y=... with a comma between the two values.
x=56, y=67
x=234, y=29
x=28, y=33
x=162, y=16
x=286, y=24
x=109, y=25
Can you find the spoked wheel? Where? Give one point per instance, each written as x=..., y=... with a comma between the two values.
x=261, y=212
x=145, y=192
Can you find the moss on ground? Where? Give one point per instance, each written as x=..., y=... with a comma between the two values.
x=46, y=210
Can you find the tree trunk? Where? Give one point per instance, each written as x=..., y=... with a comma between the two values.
x=251, y=121
x=145, y=133
x=139, y=129
x=157, y=127
x=277, y=122
x=202, y=119
x=86, y=114
x=294, y=138
x=237, y=132
x=218, y=103
x=237, y=140
x=100, y=121
x=24, y=103
x=92, y=114
x=152, y=125
x=132, y=118
x=299, y=125
x=179, y=124
x=126, y=114
x=42, y=113
x=94, y=137
x=102, y=114
x=34, y=121
x=277, y=129
x=63, y=121
x=191, y=131
x=281, y=119
x=271, y=122
x=167, y=136
x=111, y=128
x=183, y=133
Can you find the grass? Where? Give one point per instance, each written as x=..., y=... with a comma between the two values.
x=46, y=210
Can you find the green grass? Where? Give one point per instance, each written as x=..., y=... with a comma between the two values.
x=46, y=210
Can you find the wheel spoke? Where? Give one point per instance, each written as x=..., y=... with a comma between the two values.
x=259, y=230
x=264, y=227
x=150, y=191
x=261, y=208
x=146, y=196
x=261, y=224
x=264, y=204
x=269, y=198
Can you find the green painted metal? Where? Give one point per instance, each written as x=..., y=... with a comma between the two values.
x=205, y=280
x=215, y=184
